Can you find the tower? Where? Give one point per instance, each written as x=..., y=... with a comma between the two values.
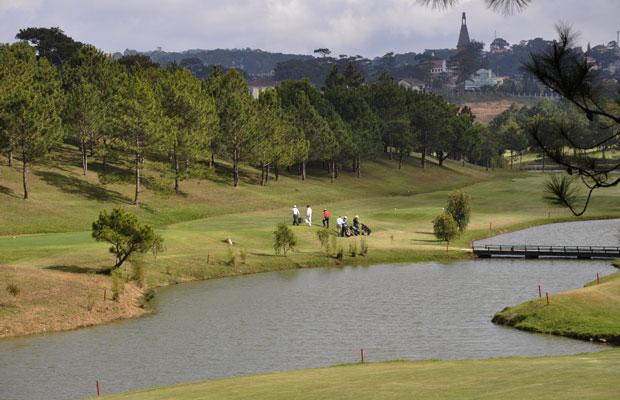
x=463, y=35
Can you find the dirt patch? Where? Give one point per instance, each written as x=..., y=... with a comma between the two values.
x=51, y=301
x=485, y=111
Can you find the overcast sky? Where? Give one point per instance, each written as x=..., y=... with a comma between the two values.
x=365, y=27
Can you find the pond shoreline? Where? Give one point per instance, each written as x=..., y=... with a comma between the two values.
x=377, y=256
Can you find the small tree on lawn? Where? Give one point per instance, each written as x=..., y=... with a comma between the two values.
x=459, y=206
x=445, y=227
x=126, y=234
x=284, y=239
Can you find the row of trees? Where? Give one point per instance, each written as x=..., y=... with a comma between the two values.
x=123, y=112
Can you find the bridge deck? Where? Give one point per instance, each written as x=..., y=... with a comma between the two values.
x=529, y=251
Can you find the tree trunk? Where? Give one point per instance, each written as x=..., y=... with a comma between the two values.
x=335, y=169
x=176, y=171
x=235, y=168
x=331, y=170
x=24, y=167
x=84, y=157
x=136, y=201
x=262, y=175
x=520, y=160
x=391, y=146
x=276, y=170
x=424, y=157
x=303, y=171
x=105, y=155
x=359, y=169
x=10, y=158
x=267, y=174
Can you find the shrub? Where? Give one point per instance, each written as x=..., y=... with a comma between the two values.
x=445, y=227
x=323, y=236
x=353, y=249
x=459, y=206
x=231, y=257
x=13, y=289
x=363, y=247
x=137, y=269
x=340, y=253
x=118, y=285
x=91, y=299
x=284, y=239
x=333, y=244
x=243, y=253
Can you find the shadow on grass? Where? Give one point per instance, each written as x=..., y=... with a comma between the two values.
x=72, y=185
x=8, y=192
x=75, y=269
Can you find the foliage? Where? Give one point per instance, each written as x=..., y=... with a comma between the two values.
x=561, y=191
x=323, y=236
x=91, y=300
x=243, y=253
x=118, y=284
x=353, y=249
x=126, y=234
x=138, y=269
x=459, y=206
x=564, y=70
x=231, y=258
x=149, y=294
x=445, y=227
x=284, y=239
x=30, y=99
x=51, y=43
x=363, y=247
x=13, y=289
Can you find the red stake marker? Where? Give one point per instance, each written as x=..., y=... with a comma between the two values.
x=127, y=280
x=362, y=356
x=598, y=280
x=547, y=297
x=208, y=257
x=539, y=291
x=490, y=226
x=98, y=393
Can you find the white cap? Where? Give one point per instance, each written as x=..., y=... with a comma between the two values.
x=294, y=205
x=357, y=216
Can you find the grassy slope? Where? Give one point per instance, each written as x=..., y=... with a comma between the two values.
x=590, y=312
x=398, y=204
x=591, y=376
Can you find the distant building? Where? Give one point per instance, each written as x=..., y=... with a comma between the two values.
x=440, y=67
x=483, y=77
x=257, y=87
x=463, y=35
x=413, y=84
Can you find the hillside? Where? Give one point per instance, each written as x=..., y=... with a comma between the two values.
x=48, y=252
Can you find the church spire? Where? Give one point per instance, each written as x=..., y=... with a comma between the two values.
x=463, y=35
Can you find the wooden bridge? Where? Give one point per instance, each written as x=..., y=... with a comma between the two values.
x=527, y=251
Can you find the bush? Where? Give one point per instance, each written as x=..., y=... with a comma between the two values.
x=340, y=253
x=353, y=249
x=231, y=257
x=363, y=247
x=445, y=227
x=91, y=299
x=137, y=269
x=284, y=239
x=323, y=236
x=13, y=289
x=118, y=285
x=459, y=206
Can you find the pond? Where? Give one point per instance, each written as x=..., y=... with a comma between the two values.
x=298, y=319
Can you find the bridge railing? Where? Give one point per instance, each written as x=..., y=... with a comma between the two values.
x=503, y=248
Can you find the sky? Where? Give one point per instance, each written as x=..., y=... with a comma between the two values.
x=352, y=27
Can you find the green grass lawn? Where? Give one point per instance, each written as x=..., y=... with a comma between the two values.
x=583, y=376
x=588, y=313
